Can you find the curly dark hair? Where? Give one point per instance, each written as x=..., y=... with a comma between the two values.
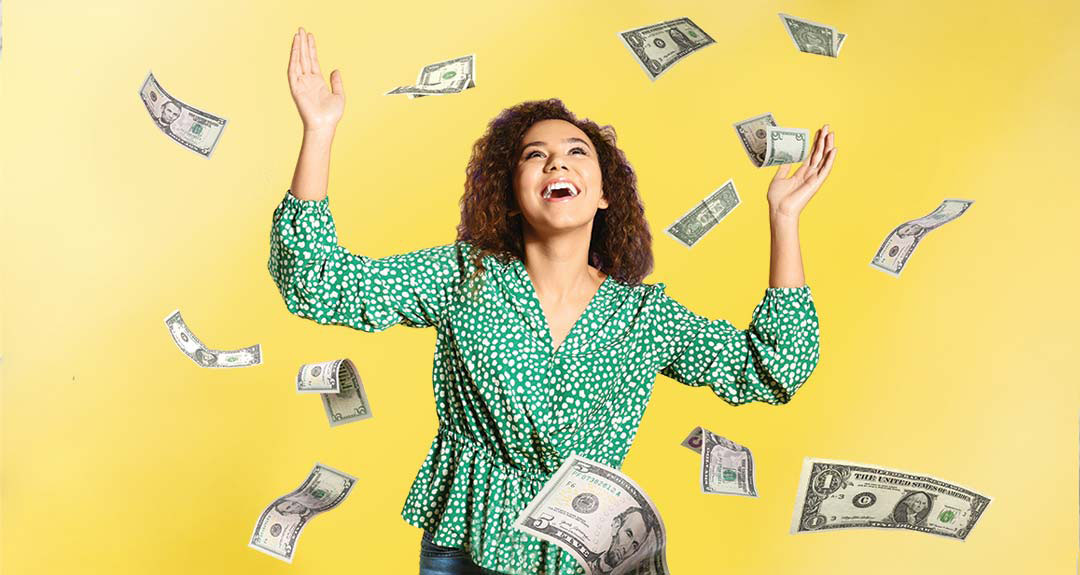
x=621, y=245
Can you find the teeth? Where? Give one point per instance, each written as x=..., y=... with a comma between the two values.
x=560, y=185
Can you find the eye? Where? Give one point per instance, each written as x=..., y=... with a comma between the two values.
x=529, y=155
x=583, y=150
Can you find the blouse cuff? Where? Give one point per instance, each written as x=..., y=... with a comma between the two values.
x=800, y=294
x=306, y=206
x=781, y=301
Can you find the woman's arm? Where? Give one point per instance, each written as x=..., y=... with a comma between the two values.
x=310, y=179
x=771, y=359
x=785, y=255
x=322, y=281
x=767, y=362
x=320, y=110
x=318, y=278
x=787, y=197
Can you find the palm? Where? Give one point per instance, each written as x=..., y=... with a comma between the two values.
x=319, y=105
x=788, y=195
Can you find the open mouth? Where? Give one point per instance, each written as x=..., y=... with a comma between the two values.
x=559, y=191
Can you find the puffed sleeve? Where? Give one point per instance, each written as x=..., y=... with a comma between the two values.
x=767, y=362
x=320, y=280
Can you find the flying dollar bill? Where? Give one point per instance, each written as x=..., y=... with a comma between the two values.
x=188, y=126
x=753, y=136
x=658, y=47
x=322, y=377
x=338, y=382
x=694, y=224
x=446, y=77
x=898, y=246
x=599, y=516
x=843, y=495
x=350, y=403
x=437, y=74
x=204, y=356
x=727, y=468
x=693, y=441
x=785, y=145
x=813, y=38
x=280, y=524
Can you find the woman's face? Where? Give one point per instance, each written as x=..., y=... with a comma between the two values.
x=556, y=150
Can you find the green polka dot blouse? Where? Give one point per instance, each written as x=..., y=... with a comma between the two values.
x=510, y=408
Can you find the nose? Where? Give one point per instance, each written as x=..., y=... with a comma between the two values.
x=555, y=162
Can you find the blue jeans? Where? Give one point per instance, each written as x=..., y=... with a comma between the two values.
x=439, y=560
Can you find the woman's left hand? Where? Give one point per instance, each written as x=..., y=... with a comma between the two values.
x=789, y=195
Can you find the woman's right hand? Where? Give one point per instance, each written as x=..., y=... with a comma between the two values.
x=320, y=107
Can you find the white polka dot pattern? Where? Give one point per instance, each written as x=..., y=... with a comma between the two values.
x=510, y=408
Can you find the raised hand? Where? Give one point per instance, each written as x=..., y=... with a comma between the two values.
x=320, y=107
x=789, y=195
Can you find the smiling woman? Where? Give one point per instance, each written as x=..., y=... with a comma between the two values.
x=536, y=143
x=548, y=343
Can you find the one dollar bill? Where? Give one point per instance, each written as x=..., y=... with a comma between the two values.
x=202, y=355
x=657, y=47
x=813, y=38
x=599, y=516
x=843, y=495
x=727, y=468
x=702, y=218
x=186, y=125
x=279, y=525
x=893, y=254
x=441, y=78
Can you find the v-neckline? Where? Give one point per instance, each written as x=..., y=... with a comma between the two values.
x=534, y=300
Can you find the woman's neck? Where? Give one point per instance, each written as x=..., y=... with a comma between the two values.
x=559, y=267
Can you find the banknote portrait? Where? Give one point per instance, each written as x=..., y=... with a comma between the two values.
x=633, y=538
x=289, y=507
x=203, y=356
x=912, y=509
x=811, y=41
x=680, y=39
x=909, y=229
x=170, y=111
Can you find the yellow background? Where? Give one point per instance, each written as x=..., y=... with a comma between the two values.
x=121, y=456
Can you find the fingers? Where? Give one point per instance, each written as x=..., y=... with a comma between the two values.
x=819, y=148
x=830, y=152
x=827, y=166
x=781, y=172
x=294, y=57
x=314, y=56
x=801, y=172
x=815, y=181
x=808, y=162
x=305, y=58
x=335, y=83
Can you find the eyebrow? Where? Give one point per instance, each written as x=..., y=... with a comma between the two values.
x=567, y=140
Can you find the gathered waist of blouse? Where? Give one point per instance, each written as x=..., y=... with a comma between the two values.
x=458, y=440
x=469, y=495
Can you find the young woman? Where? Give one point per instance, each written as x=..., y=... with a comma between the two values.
x=548, y=342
